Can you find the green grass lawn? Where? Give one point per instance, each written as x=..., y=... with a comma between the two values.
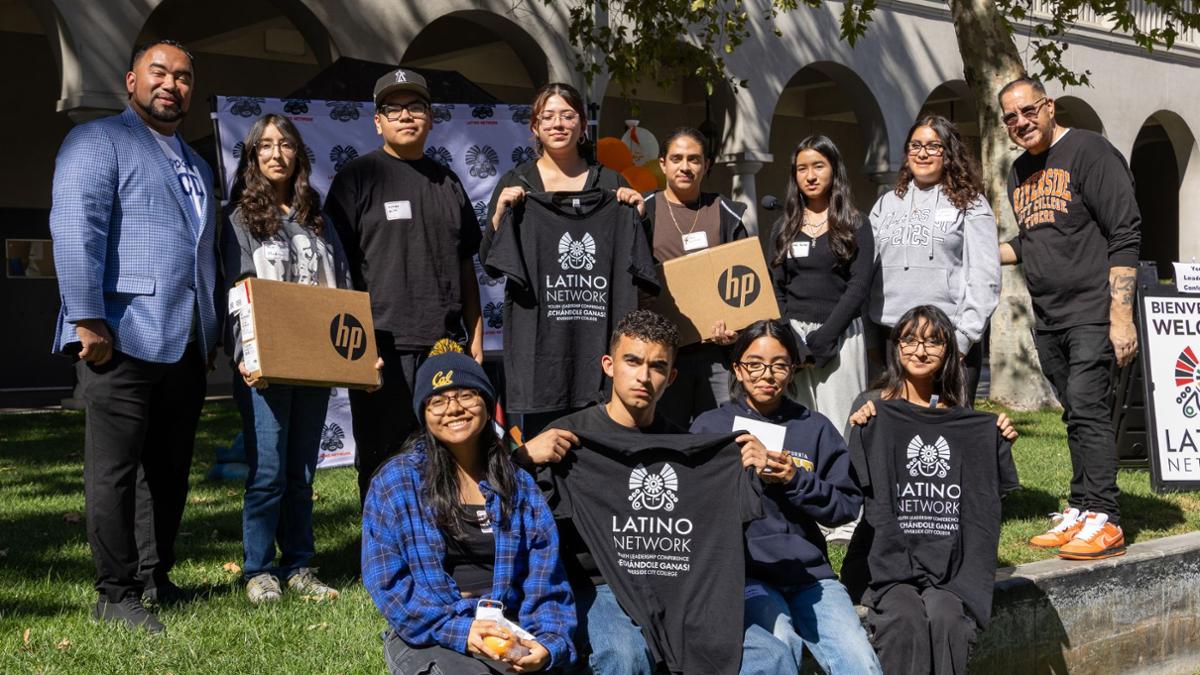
x=46, y=570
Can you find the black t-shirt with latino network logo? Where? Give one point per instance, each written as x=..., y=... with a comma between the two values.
x=574, y=262
x=662, y=516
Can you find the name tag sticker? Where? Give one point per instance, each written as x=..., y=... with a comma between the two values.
x=800, y=249
x=945, y=216
x=694, y=241
x=401, y=210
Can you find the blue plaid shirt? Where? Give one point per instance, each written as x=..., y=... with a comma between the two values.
x=403, y=551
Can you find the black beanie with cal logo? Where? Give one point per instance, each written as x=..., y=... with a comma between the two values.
x=449, y=368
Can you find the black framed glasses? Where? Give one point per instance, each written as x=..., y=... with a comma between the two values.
x=933, y=149
x=757, y=369
x=416, y=109
x=467, y=399
x=1029, y=112
x=933, y=346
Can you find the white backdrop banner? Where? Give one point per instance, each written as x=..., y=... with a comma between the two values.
x=478, y=142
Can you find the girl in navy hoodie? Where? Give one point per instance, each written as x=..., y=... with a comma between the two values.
x=791, y=589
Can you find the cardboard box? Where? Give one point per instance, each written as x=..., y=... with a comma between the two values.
x=310, y=335
x=726, y=283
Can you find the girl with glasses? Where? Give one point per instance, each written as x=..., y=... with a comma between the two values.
x=791, y=590
x=451, y=522
x=935, y=236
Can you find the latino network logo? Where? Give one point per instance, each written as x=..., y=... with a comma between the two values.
x=653, y=491
x=1188, y=382
x=439, y=154
x=577, y=254
x=482, y=161
x=927, y=460
x=333, y=437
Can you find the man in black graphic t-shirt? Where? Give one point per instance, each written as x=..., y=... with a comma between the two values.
x=410, y=234
x=663, y=513
x=1078, y=240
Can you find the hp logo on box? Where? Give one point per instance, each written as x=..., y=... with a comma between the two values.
x=738, y=286
x=348, y=337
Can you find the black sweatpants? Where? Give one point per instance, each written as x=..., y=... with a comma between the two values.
x=139, y=434
x=383, y=419
x=920, y=631
x=1079, y=361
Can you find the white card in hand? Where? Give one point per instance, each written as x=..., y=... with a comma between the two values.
x=770, y=435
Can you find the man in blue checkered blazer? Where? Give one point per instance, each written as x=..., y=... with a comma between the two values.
x=134, y=227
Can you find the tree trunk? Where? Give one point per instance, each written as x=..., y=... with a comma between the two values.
x=990, y=60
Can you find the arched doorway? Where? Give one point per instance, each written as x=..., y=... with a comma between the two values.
x=1165, y=167
x=1072, y=111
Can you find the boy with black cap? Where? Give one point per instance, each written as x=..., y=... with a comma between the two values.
x=410, y=235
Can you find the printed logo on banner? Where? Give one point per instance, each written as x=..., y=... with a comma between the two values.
x=653, y=491
x=348, y=337
x=522, y=154
x=480, y=212
x=1189, y=383
x=308, y=152
x=443, y=113
x=295, y=106
x=928, y=460
x=577, y=254
x=484, y=111
x=482, y=160
x=332, y=437
x=522, y=114
x=494, y=312
x=340, y=155
x=246, y=106
x=343, y=111
x=238, y=149
x=738, y=286
x=440, y=155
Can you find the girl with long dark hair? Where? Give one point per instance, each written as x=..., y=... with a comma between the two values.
x=791, y=590
x=450, y=525
x=936, y=239
x=277, y=231
x=822, y=263
x=681, y=220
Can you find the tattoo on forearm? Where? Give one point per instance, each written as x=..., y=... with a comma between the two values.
x=1123, y=287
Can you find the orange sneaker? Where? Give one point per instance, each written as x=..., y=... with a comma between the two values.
x=1067, y=524
x=1097, y=539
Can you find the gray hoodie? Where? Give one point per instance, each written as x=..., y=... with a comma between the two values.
x=932, y=253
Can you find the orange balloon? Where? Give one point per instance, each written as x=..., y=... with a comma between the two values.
x=655, y=168
x=614, y=154
x=640, y=178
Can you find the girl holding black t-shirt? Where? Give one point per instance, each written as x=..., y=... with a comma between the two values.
x=822, y=264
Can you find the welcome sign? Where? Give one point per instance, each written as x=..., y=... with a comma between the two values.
x=1170, y=334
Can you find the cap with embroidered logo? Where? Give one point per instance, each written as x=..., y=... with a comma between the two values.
x=448, y=368
x=400, y=79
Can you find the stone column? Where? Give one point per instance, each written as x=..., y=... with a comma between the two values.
x=743, y=166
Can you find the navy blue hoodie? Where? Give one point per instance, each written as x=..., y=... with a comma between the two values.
x=785, y=547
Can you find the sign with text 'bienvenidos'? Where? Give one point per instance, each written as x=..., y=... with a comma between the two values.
x=1170, y=335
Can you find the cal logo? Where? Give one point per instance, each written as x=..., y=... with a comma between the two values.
x=800, y=460
x=738, y=286
x=443, y=378
x=348, y=337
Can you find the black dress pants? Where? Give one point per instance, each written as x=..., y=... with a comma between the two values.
x=1079, y=361
x=921, y=631
x=139, y=435
x=383, y=419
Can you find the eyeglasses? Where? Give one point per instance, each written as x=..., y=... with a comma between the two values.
x=933, y=346
x=568, y=117
x=756, y=369
x=467, y=399
x=416, y=109
x=267, y=148
x=1029, y=112
x=933, y=149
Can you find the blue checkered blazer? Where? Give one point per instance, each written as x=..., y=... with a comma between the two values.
x=128, y=246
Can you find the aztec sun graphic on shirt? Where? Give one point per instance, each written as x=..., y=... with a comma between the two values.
x=928, y=460
x=1188, y=381
x=577, y=254
x=653, y=491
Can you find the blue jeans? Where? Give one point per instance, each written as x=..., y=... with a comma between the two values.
x=617, y=647
x=278, y=502
x=820, y=617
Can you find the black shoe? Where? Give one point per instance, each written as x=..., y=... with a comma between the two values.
x=130, y=611
x=162, y=594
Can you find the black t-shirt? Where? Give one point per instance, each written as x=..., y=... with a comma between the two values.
x=471, y=561
x=931, y=516
x=574, y=261
x=663, y=516
x=1078, y=216
x=407, y=226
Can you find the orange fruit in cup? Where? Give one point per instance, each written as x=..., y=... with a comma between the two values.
x=498, y=645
